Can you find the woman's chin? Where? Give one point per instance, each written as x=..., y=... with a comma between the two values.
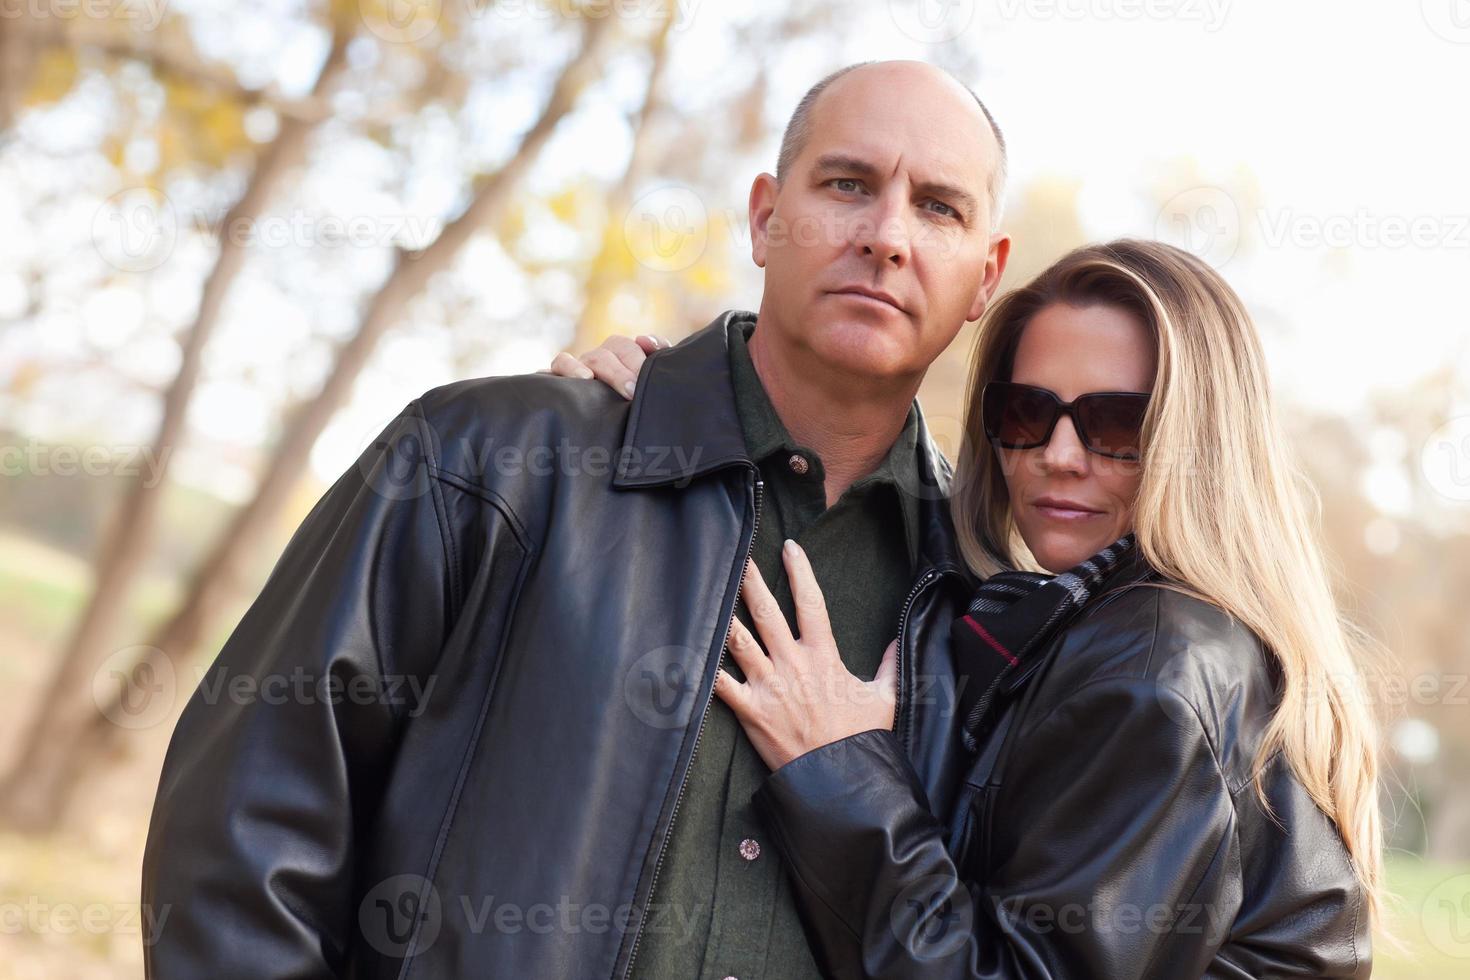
x=1058, y=551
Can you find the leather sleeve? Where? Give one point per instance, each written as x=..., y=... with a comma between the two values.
x=1122, y=850
x=271, y=777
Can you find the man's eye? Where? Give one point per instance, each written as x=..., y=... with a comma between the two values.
x=948, y=211
x=846, y=185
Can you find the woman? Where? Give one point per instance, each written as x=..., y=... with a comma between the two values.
x=1173, y=769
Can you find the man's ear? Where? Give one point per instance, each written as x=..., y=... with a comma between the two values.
x=995, y=267
x=762, y=205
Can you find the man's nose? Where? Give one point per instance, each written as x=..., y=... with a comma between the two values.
x=884, y=230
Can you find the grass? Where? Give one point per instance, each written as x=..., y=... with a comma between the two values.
x=1431, y=915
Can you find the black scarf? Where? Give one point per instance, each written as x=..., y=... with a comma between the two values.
x=1010, y=619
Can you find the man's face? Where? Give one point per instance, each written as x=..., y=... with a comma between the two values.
x=878, y=247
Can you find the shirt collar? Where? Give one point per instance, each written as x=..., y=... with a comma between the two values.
x=766, y=435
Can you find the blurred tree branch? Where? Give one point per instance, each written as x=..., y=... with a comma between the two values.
x=217, y=577
x=32, y=791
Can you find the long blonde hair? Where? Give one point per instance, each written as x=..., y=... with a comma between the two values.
x=1222, y=510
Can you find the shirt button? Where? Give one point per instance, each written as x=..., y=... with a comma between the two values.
x=750, y=849
x=798, y=464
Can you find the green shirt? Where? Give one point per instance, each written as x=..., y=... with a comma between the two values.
x=722, y=901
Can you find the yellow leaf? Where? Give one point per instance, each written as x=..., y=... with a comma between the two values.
x=54, y=75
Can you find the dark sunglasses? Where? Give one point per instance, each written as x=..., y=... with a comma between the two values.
x=1109, y=423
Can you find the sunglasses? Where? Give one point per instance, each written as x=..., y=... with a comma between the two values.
x=1109, y=423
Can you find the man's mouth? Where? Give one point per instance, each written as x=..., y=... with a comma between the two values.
x=874, y=296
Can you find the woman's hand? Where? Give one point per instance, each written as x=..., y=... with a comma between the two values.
x=801, y=696
x=615, y=362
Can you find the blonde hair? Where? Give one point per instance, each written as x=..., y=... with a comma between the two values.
x=1222, y=510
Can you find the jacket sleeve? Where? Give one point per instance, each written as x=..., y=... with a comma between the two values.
x=1121, y=838
x=278, y=761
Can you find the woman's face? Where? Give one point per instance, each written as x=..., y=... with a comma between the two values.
x=1069, y=503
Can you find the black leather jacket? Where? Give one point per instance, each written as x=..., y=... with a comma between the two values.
x=1107, y=827
x=449, y=737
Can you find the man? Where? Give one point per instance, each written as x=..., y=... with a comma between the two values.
x=507, y=620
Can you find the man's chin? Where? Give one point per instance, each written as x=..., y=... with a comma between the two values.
x=865, y=347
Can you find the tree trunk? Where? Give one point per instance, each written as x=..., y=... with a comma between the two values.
x=29, y=791
x=217, y=577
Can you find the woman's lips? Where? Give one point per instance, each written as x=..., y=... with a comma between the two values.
x=1067, y=515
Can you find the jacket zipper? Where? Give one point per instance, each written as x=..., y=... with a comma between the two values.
x=703, y=718
x=899, y=715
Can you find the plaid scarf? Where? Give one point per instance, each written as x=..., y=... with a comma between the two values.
x=1010, y=619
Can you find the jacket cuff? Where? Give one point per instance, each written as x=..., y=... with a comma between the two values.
x=835, y=813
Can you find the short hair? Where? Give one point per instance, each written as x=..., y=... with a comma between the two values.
x=799, y=131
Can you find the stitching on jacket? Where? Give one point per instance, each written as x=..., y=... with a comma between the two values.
x=472, y=744
x=441, y=516
x=1234, y=809
x=490, y=497
x=1246, y=780
x=1357, y=912
x=1357, y=907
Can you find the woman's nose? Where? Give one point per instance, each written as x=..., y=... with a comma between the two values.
x=1064, y=452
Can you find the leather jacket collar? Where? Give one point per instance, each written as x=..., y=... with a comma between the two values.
x=683, y=416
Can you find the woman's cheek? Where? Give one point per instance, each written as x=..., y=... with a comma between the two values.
x=1124, y=490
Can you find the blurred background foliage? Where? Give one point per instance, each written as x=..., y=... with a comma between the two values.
x=235, y=239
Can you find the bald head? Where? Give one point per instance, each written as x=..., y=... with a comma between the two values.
x=925, y=80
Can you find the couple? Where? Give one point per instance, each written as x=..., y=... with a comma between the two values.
x=736, y=679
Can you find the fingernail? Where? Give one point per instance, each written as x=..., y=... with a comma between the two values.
x=648, y=337
x=586, y=374
x=628, y=387
x=791, y=547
